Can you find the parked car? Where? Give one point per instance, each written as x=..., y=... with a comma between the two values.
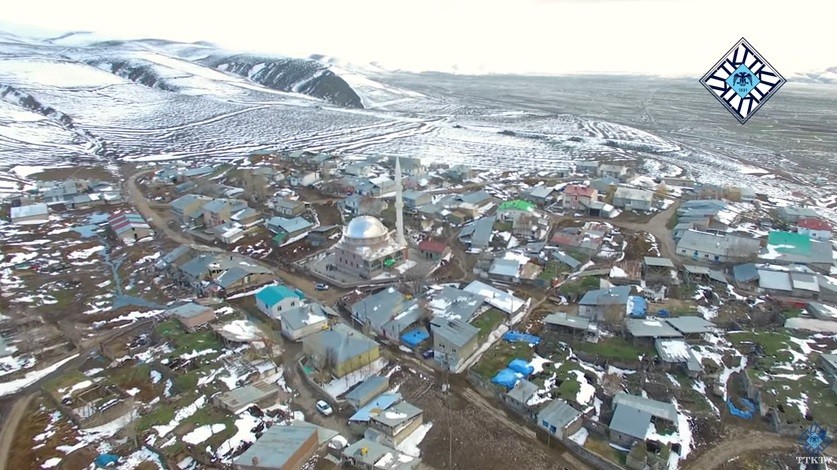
x=324, y=408
x=321, y=286
x=427, y=354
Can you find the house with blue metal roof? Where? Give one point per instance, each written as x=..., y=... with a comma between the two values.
x=274, y=299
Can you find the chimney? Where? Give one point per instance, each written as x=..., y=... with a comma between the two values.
x=255, y=460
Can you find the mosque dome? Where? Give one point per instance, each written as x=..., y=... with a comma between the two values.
x=365, y=228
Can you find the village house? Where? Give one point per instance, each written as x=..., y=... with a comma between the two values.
x=286, y=207
x=192, y=316
x=817, y=229
x=518, y=397
x=454, y=341
x=235, y=401
x=587, y=167
x=304, y=178
x=272, y=300
x=367, y=390
x=566, y=324
x=433, y=249
x=321, y=235
x=658, y=271
x=30, y=214
x=188, y=209
x=674, y=352
x=367, y=454
x=410, y=166
x=540, y=195
x=452, y=303
x=357, y=205
x=514, y=209
x=377, y=186
x=576, y=240
x=392, y=426
x=531, y=227
x=790, y=248
x=219, y=211
x=708, y=246
x=632, y=199
x=280, y=448
x=288, y=230
x=576, y=197
x=340, y=350
x=791, y=214
x=304, y=320
x=461, y=173
x=413, y=199
x=63, y=192
x=221, y=274
x=171, y=261
x=358, y=168
x=633, y=415
x=596, y=303
x=247, y=217
x=505, y=270
x=228, y=233
x=387, y=313
x=828, y=363
x=234, y=334
x=613, y=171
x=559, y=419
x=478, y=235
x=129, y=227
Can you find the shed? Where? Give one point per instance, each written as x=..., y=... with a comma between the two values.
x=559, y=418
x=192, y=315
x=691, y=324
x=262, y=394
x=367, y=390
x=651, y=328
x=775, y=281
x=522, y=392
x=31, y=214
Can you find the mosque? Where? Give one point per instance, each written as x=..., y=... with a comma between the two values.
x=367, y=247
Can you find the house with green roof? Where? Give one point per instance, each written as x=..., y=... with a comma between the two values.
x=795, y=248
x=514, y=209
x=272, y=300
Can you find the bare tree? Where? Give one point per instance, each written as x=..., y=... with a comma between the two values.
x=614, y=317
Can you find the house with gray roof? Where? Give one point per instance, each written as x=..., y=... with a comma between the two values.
x=691, y=325
x=744, y=274
x=188, y=209
x=222, y=274
x=367, y=390
x=263, y=394
x=565, y=323
x=305, y=320
x=288, y=229
x=559, y=419
x=280, y=448
x=368, y=454
x=414, y=199
x=340, y=350
x=519, y=396
x=651, y=328
x=718, y=248
x=634, y=414
x=454, y=341
x=505, y=270
x=396, y=423
x=792, y=214
x=596, y=302
x=450, y=302
x=220, y=211
x=632, y=199
x=29, y=214
x=378, y=310
x=287, y=208
x=478, y=234
x=192, y=316
x=676, y=352
x=559, y=255
x=821, y=311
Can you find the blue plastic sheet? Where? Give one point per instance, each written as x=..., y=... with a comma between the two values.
x=521, y=366
x=518, y=337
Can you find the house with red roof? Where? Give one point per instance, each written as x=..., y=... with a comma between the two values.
x=433, y=249
x=578, y=197
x=817, y=229
x=129, y=227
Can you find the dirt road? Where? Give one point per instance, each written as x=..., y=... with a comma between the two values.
x=728, y=449
x=656, y=226
x=10, y=425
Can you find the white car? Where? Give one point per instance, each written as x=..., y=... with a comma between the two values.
x=324, y=408
x=321, y=286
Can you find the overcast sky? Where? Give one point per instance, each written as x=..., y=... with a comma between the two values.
x=664, y=37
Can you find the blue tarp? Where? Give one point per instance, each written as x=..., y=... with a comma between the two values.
x=639, y=306
x=746, y=413
x=519, y=365
x=415, y=337
x=106, y=460
x=518, y=337
x=506, y=377
x=663, y=313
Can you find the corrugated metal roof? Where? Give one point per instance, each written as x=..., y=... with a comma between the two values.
x=656, y=408
x=523, y=390
x=690, y=324
x=189, y=310
x=367, y=389
x=631, y=421
x=651, y=328
x=570, y=321
x=558, y=413
x=659, y=262
x=396, y=414
x=455, y=331
x=276, y=446
x=775, y=280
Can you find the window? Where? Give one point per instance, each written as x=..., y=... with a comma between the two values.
x=545, y=424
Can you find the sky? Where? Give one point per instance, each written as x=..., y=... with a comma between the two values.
x=659, y=37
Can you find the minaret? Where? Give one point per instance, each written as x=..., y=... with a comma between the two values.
x=399, y=205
